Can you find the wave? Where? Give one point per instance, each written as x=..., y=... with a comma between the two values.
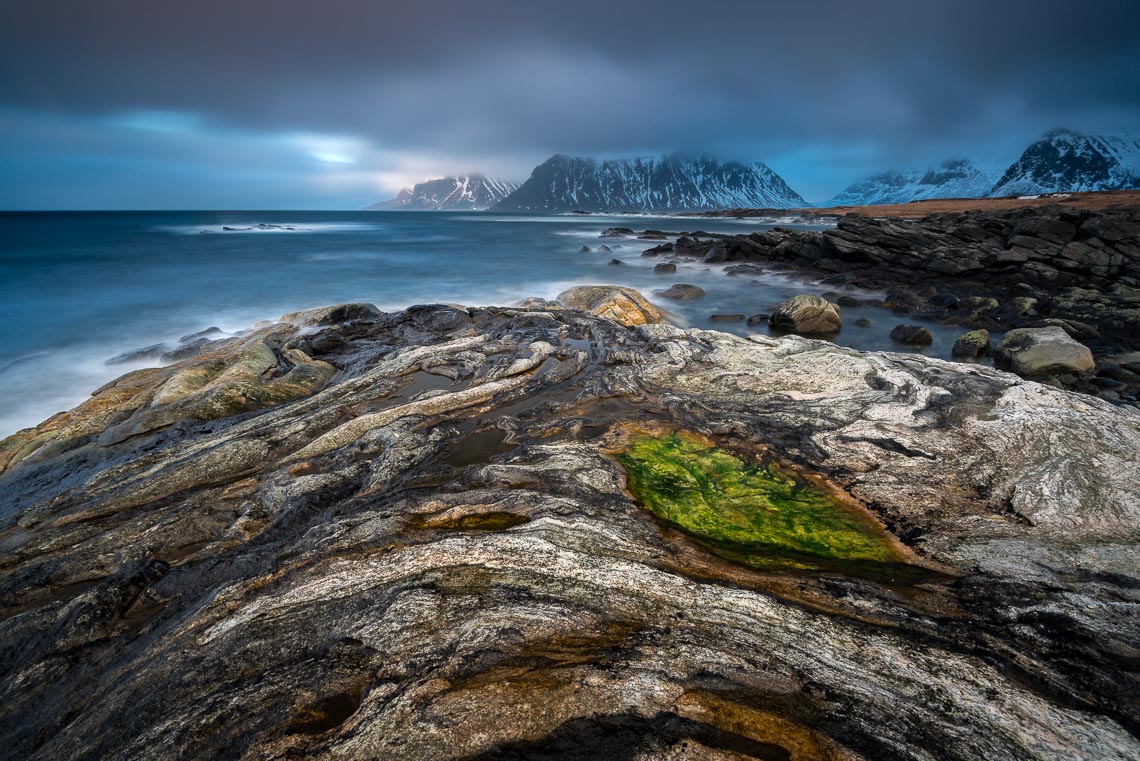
x=275, y=228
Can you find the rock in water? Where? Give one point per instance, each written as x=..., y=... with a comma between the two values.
x=683, y=291
x=806, y=314
x=975, y=343
x=912, y=335
x=507, y=533
x=1042, y=351
x=623, y=305
x=665, y=269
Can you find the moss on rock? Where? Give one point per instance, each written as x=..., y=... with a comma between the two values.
x=758, y=514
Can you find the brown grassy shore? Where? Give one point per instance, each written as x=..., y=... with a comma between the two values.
x=1101, y=201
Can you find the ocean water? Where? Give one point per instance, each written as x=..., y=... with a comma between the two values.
x=79, y=288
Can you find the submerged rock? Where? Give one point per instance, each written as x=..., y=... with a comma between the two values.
x=623, y=305
x=683, y=291
x=504, y=533
x=1042, y=351
x=665, y=268
x=807, y=314
x=912, y=335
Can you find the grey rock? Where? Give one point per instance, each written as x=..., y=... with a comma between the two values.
x=912, y=335
x=1042, y=351
x=683, y=291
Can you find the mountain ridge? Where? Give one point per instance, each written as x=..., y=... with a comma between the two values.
x=474, y=192
x=953, y=178
x=1065, y=160
x=673, y=182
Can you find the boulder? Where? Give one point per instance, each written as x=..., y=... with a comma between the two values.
x=683, y=291
x=665, y=269
x=976, y=343
x=622, y=305
x=1042, y=351
x=807, y=314
x=912, y=335
x=331, y=315
x=664, y=248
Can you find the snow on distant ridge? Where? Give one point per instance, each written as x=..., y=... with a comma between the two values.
x=463, y=193
x=1067, y=161
x=675, y=182
x=956, y=178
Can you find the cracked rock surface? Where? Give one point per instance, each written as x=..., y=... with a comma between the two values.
x=359, y=535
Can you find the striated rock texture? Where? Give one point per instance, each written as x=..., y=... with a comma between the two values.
x=622, y=305
x=807, y=314
x=431, y=550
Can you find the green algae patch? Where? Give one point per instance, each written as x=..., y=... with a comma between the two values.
x=761, y=515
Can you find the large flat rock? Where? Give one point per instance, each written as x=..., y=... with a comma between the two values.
x=428, y=550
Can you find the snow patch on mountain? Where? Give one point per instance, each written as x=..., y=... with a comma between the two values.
x=669, y=183
x=957, y=178
x=464, y=193
x=1067, y=161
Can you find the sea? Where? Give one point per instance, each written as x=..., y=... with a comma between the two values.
x=77, y=289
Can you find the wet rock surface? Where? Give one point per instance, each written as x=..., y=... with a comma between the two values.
x=1072, y=268
x=808, y=315
x=467, y=534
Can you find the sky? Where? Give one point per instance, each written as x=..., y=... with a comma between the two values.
x=259, y=104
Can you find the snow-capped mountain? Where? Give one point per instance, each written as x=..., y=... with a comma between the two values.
x=1065, y=161
x=669, y=183
x=464, y=193
x=958, y=178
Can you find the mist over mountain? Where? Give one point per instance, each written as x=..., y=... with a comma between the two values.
x=670, y=183
x=463, y=193
x=957, y=178
x=1068, y=161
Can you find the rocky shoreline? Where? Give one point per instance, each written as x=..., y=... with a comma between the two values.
x=1038, y=267
x=470, y=533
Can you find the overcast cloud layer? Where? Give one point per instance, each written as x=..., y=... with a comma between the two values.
x=285, y=104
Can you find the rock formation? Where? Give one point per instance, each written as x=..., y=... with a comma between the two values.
x=501, y=533
x=807, y=315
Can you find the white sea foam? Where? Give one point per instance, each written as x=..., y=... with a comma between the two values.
x=270, y=228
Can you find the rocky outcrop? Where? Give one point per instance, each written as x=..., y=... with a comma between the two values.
x=1032, y=267
x=622, y=305
x=1042, y=351
x=437, y=553
x=808, y=315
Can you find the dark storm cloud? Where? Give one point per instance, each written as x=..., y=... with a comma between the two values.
x=811, y=86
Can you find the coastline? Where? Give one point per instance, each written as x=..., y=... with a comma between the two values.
x=335, y=496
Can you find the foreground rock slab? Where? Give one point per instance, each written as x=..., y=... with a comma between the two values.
x=434, y=553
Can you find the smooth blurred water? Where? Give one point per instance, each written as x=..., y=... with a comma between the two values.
x=79, y=288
